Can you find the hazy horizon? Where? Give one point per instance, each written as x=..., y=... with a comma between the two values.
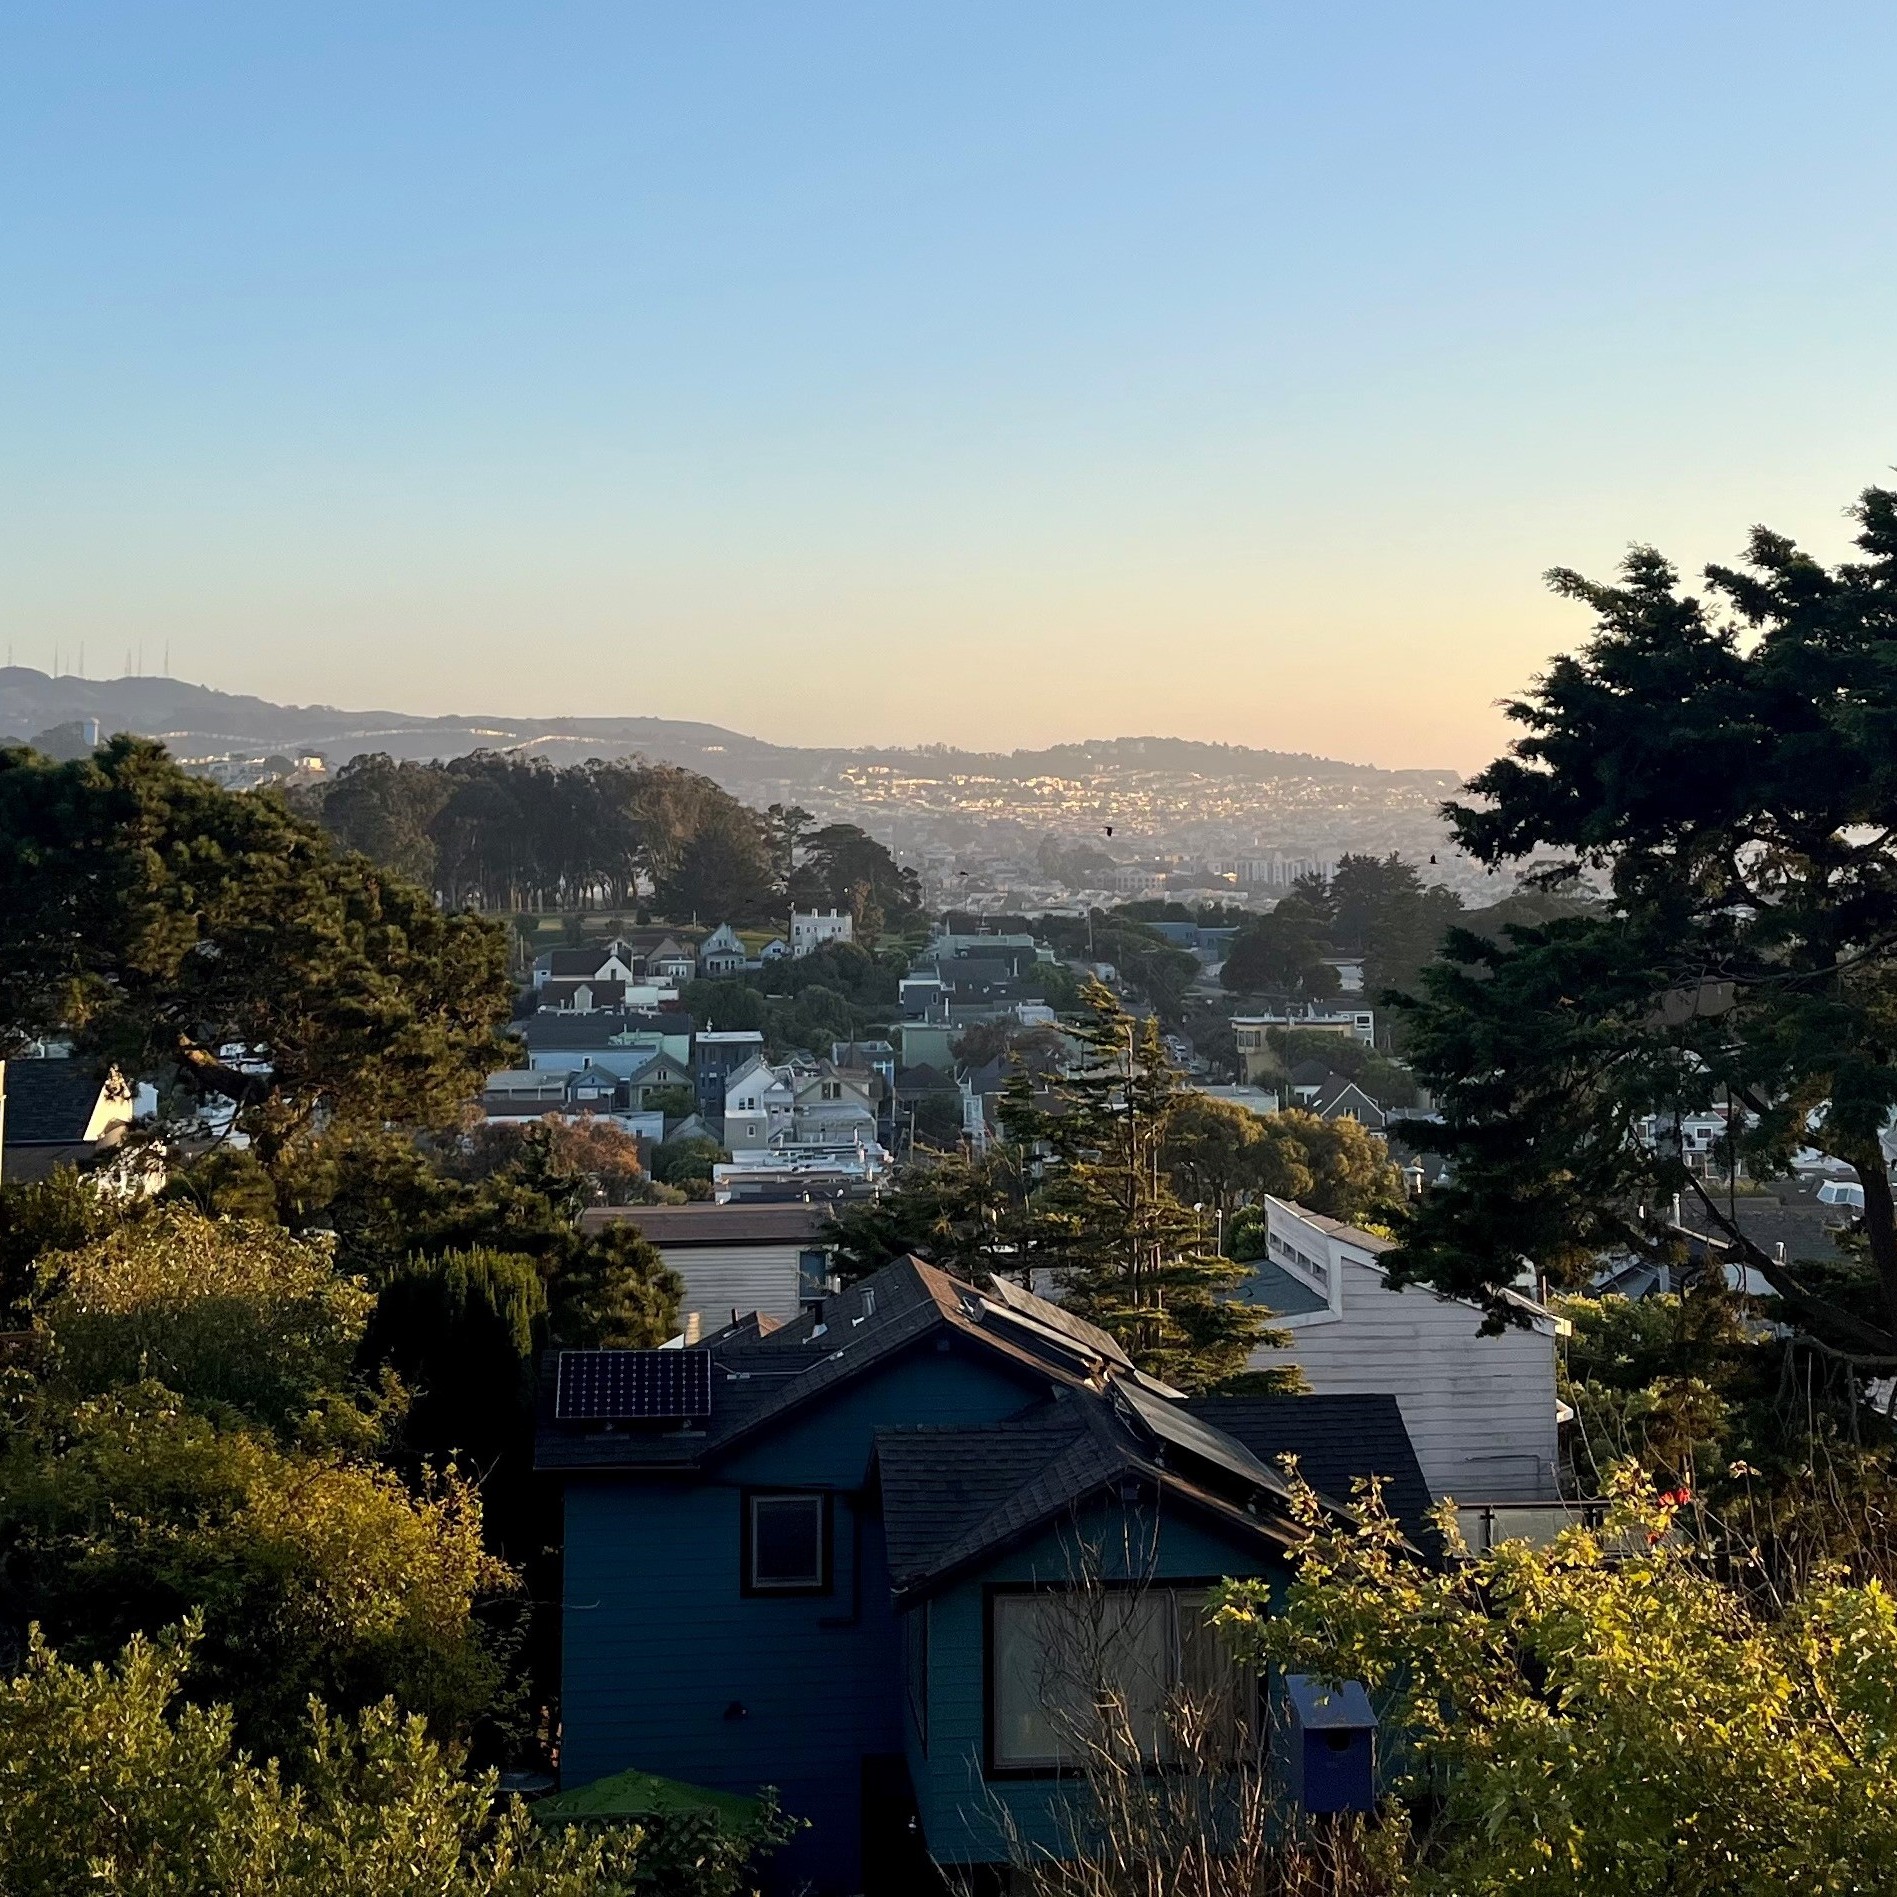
x=995, y=377
x=472, y=712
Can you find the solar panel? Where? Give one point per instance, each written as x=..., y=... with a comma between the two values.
x=1185, y=1431
x=610, y=1386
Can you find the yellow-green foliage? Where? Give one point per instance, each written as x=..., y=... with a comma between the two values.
x=313, y=1573
x=196, y=1445
x=1606, y=1714
x=110, y=1787
x=223, y=1311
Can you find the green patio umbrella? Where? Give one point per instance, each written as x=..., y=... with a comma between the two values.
x=634, y=1795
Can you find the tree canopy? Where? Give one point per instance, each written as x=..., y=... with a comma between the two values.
x=1615, y=1712
x=1726, y=765
x=220, y=947
x=509, y=832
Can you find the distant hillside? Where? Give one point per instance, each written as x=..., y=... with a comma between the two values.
x=195, y=721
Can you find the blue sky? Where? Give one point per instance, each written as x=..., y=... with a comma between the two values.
x=992, y=374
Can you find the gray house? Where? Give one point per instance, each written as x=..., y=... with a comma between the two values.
x=1481, y=1411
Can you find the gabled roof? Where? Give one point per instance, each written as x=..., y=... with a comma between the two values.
x=857, y=1081
x=1337, y=1440
x=1338, y=1089
x=1536, y=1312
x=954, y=1498
x=754, y=1384
x=922, y=1078
x=52, y=1102
x=661, y=1066
x=577, y=964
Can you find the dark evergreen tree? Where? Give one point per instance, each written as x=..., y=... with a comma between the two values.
x=1281, y=956
x=1129, y=1255
x=217, y=945
x=1728, y=766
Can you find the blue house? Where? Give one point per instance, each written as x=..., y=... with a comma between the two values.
x=843, y=1557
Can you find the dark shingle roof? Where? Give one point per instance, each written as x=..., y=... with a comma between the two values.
x=1337, y=1440
x=51, y=1102
x=955, y=1497
x=566, y=964
x=753, y=1383
x=555, y=1029
x=937, y=1483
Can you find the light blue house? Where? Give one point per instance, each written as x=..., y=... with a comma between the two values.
x=848, y=1560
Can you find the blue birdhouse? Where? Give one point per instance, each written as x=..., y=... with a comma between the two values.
x=1331, y=1745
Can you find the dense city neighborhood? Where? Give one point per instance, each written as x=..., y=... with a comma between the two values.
x=948, y=951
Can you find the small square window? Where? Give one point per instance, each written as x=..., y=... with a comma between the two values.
x=787, y=1544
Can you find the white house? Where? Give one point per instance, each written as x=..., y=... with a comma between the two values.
x=734, y=1259
x=760, y=1104
x=1480, y=1410
x=721, y=952
x=59, y=1113
x=610, y=961
x=814, y=931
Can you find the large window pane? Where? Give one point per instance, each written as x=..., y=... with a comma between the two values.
x=1071, y=1669
x=787, y=1541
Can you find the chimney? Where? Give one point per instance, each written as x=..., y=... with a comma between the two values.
x=691, y=1327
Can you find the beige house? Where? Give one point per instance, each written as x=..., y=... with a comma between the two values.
x=733, y=1259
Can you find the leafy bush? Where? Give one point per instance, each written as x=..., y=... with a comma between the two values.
x=223, y=1312
x=108, y=1784
x=311, y=1573
x=1608, y=1713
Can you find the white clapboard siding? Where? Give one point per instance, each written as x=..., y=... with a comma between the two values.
x=1480, y=1411
x=722, y=1278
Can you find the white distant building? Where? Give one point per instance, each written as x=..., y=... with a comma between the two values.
x=760, y=1104
x=721, y=952
x=814, y=931
x=732, y=1259
x=770, y=1107
x=1481, y=1411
